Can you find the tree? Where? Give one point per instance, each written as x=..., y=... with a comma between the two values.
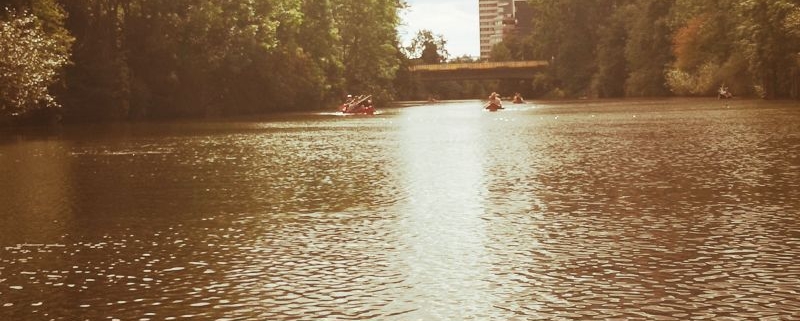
x=647, y=51
x=98, y=80
x=500, y=52
x=612, y=67
x=792, y=27
x=520, y=46
x=369, y=45
x=30, y=61
x=143, y=59
x=565, y=33
x=187, y=58
x=427, y=47
x=704, y=49
x=319, y=37
x=750, y=46
x=766, y=39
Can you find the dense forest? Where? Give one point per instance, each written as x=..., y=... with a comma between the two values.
x=151, y=59
x=100, y=60
x=644, y=48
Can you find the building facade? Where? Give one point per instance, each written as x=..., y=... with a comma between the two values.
x=495, y=17
x=499, y=18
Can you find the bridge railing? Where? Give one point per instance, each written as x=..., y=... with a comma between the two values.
x=480, y=65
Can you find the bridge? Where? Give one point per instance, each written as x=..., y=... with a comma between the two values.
x=479, y=70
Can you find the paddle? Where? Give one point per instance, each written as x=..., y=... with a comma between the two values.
x=357, y=102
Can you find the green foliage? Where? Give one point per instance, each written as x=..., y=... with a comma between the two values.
x=199, y=58
x=565, y=33
x=751, y=46
x=613, y=48
x=500, y=52
x=770, y=45
x=427, y=47
x=319, y=38
x=407, y=85
x=520, y=46
x=30, y=61
x=612, y=66
x=704, y=49
x=369, y=45
x=647, y=50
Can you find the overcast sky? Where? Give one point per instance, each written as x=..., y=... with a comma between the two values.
x=456, y=20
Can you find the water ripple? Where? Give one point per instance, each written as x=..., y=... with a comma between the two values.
x=653, y=210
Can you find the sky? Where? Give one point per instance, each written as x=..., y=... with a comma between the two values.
x=455, y=20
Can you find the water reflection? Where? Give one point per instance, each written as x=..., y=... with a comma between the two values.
x=31, y=207
x=442, y=171
x=671, y=209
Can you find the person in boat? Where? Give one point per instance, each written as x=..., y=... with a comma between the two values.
x=494, y=102
x=367, y=107
x=366, y=103
x=518, y=98
x=347, y=102
x=358, y=104
x=723, y=92
x=361, y=105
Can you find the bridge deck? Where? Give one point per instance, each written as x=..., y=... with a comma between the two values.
x=479, y=70
x=480, y=65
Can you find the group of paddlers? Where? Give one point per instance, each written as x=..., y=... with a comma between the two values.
x=361, y=104
x=496, y=103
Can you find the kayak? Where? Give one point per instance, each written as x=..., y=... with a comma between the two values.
x=357, y=110
x=493, y=107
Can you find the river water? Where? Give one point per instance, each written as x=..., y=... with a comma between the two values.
x=674, y=209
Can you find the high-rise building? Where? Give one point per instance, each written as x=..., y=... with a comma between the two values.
x=523, y=16
x=496, y=17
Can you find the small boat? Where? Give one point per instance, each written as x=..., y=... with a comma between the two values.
x=359, y=105
x=494, y=103
x=493, y=106
x=518, y=99
x=724, y=93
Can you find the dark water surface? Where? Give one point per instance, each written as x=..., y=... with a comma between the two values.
x=650, y=210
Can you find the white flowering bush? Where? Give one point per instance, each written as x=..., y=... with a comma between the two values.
x=30, y=60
